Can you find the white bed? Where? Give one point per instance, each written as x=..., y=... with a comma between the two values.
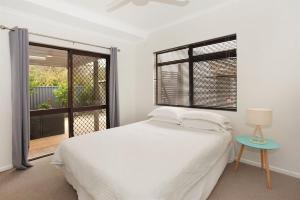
x=147, y=160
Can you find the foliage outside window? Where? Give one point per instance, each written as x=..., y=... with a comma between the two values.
x=51, y=79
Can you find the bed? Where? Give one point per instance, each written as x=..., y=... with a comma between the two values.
x=147, y=160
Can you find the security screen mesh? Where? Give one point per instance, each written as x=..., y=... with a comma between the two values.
x=199, y=75
x=215, y=83
x=223, y=46
x=89, y=93
x=173, y=55
x=89, y=122
x=89, y=81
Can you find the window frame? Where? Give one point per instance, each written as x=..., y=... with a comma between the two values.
x=196, y=58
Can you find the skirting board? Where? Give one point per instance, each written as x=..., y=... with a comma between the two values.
x=246, y=161
x=6, y=167
x=272, y=168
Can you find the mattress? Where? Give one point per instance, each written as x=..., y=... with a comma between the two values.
x=146, y=160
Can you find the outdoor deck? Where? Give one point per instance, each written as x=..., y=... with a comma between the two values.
x=47, y=145
x=84, y=124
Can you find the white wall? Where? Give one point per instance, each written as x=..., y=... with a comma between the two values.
x=126, y=68
x=5, y=106
x=268, y=67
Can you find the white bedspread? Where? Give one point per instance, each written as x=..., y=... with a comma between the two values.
x=142, y=161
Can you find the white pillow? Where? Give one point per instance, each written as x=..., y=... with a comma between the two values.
x=201, y=124
x=207, y=116
x=167, y=120
x=167, y=113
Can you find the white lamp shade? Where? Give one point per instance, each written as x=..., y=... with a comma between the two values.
x=259, y=116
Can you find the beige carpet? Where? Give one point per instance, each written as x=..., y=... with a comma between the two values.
x=45, y=182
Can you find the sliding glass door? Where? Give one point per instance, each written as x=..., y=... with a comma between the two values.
x=68, y=95
x=89, y=92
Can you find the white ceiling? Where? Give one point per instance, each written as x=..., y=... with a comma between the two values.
x=130, y=19
x=147, y=17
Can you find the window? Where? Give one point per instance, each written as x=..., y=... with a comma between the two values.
x=198, y=75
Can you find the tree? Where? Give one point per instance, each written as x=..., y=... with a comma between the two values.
x=47, y=76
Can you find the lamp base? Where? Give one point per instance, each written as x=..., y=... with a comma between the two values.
x=258, y=137
x=258, y=140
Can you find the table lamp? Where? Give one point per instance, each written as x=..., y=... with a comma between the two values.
x=259, y=117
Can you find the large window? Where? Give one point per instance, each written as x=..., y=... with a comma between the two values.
x=198, y=75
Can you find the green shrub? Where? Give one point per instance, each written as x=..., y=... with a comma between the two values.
x=44, y=106
x=61, y=94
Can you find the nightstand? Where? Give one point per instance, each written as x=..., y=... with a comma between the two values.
x=244, y=140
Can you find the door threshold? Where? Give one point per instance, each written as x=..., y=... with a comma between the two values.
x=38, y=157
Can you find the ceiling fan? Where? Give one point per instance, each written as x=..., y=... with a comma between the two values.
x=116, y=4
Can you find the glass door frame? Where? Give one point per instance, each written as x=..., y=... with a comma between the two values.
x=70, y=109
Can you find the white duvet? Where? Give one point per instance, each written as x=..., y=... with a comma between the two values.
x=142, y=161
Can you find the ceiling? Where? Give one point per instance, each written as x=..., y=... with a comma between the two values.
x=42, y=56
x=148, y=17
x=139, y=21
x=50, y=57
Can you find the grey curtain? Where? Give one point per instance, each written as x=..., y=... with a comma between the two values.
x=114, y=118
x=18, y=40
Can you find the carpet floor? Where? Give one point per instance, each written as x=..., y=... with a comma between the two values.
x=45, y=182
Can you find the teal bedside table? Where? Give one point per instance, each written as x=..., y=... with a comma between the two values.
x=244, y=140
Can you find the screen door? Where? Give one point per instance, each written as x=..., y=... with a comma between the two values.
x=88, y=92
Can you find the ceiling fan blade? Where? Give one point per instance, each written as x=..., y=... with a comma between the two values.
x=117, y=4
x=173, y=2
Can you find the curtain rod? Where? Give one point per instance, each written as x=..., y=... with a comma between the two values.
x=57, y=38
